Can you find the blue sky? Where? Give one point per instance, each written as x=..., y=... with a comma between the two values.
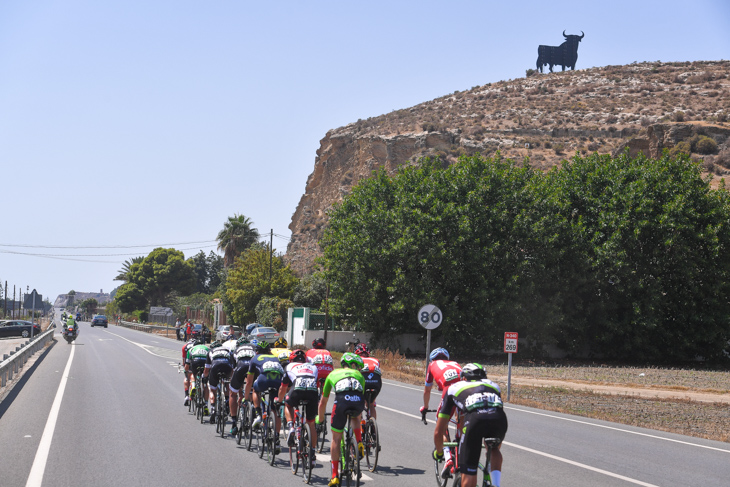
x=150, y=122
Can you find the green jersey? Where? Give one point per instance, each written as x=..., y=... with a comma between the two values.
x=343, y=380
x=198, y=352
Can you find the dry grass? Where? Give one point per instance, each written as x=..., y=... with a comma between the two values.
x=682, y=416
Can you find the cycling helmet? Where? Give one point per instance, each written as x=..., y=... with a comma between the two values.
x=284, y=357
x=198, y=341
x=281, y=343
x=352, y=361
x=216, y=344
x=318, y=343
x=438, y=354
x=298, y=356
x=261, y=345
x=242, y=341
x=473, y=372
x=362, y=350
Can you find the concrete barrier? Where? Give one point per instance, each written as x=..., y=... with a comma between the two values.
x=13, y=363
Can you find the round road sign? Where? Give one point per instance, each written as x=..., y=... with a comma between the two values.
x=430, y=317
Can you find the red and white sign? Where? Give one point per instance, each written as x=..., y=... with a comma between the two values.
x=510, y=342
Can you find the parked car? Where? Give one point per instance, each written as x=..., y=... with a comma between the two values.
x=226, y=332
x=201, y=330
x=264, y=333
x=19, y=328
x=100, y=320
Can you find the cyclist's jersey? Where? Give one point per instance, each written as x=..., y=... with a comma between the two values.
x=301, y=376
x=322, y=359
x=443, y=372
x=371, y=365
x=243, y=353
x=220, y=355
x=188, y=345
x=343, y=380
x=471, y=396
x=231, y=344
x=197, y=353
x=267, y=365
x=276, y=351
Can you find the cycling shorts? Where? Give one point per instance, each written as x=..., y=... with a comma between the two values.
x=239, y=376
x=373, y=384
x=345, y=403
x=486, y=423
x=262, y=384
x=296, y=396
x=197, y=367
x=216, y=369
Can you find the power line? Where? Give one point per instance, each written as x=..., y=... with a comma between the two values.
x=89, y=255
x=104, y=246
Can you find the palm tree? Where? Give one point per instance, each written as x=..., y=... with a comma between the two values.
x=127, y=267
x=236, y=236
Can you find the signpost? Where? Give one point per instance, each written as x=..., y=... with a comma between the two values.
x=429, y=317
x=510, y=347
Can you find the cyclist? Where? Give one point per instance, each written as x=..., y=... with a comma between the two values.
x=321, y=358
x=349, y=385
x=299, y=384
x=371, y=373
x=279, y=346
x=195, y=363
x=443, y=372
x=479, y=399
x=220, y=361
x=186, y=381
x=264, y=373
x=243, y=355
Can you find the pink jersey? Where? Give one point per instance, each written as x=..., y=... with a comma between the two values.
x=443, y=372
x=322, y=360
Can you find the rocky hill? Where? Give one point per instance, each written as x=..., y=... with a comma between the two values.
x=684, y=107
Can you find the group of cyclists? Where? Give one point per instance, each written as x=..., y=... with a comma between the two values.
x=309, y=378
x=301, y=377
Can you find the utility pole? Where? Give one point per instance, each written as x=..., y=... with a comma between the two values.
x=13, y=301
x=271, y=253
x=5, y=310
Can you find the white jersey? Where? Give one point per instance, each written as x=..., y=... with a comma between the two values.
x=301, y=376
x=230, y=344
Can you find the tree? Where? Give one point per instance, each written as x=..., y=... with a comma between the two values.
x=200, y=265
x=130, y=298
x=160, y=273
x=273, y=311
x=236, y=236
x=249, y=281
x=89, y=305
x=124, y=272
x=214, y=264
x=311, y=291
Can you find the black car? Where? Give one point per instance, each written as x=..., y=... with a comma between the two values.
x=100, y=320
x=18, y=328
x=199, y=329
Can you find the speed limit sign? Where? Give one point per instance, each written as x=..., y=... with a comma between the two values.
x=429, y=317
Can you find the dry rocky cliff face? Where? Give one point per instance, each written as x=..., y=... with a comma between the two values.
x=546, y=118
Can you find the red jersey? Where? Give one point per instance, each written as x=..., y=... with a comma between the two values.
x=371, y=365
x=443, y=372
x=322, y=359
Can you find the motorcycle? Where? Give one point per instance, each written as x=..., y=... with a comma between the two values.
x=70, y=334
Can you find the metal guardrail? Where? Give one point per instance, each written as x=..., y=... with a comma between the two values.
x=146, y=328
x=13, y=363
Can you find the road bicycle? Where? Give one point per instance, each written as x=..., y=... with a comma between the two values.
x=322, y=426
x=349, y=456
x=267, y=437
x=245, y=417
x=199, y=398
x=370, y=435
x=488, y=443
x=221, y=404
x=302, y=451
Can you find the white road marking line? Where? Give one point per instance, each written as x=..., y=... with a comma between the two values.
x=582, y=422
x=560, y=459
x=325, y=460
x=142, y=346
x=620, y=429
x=35, y=478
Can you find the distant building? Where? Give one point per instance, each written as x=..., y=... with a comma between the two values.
x=63, y=299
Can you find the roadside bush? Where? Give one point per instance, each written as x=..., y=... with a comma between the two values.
x=681, y=148
x=706, y=145
x=678, y=116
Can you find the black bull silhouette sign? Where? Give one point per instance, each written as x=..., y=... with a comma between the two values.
x=565, y=55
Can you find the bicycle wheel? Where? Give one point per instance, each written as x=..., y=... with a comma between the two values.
x=321, y=435
x=305, y=448
x=371, y=438
x=262, y=435
x=457, y=480
x=437, y=466
x=242, y=420
x=191, y=401
x=294, y=451
x=251, y=435
x=271, y=438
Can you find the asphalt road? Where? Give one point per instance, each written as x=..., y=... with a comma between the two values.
x=121, y=421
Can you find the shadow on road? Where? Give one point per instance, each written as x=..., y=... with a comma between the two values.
x=395, y=471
